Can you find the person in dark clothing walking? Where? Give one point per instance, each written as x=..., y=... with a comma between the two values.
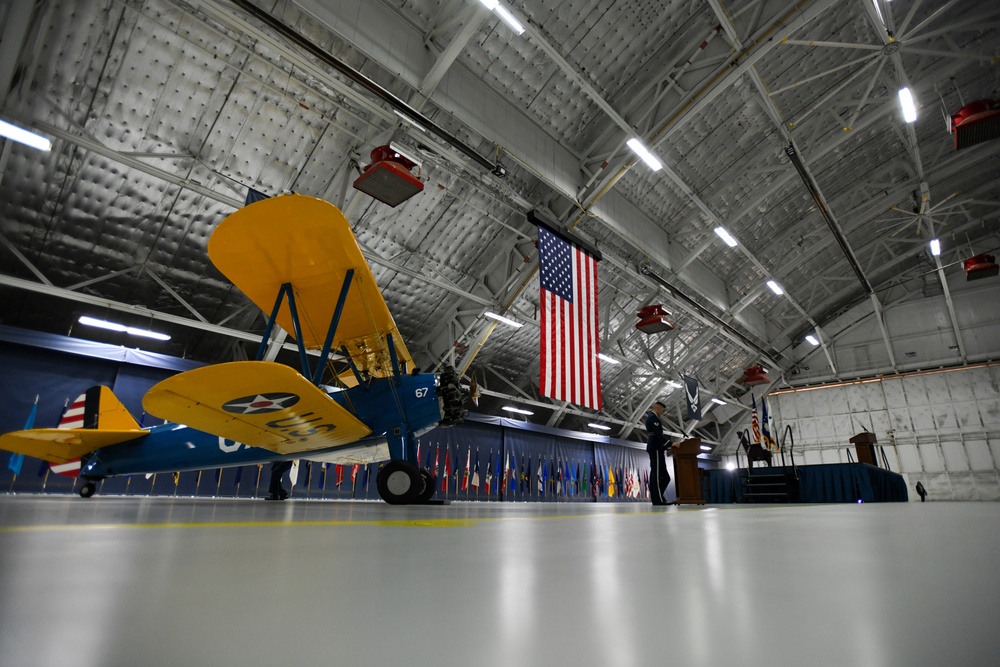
x=278, y=468
x=656, y=446
x=921, y=491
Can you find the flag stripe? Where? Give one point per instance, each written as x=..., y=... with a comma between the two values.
x=570, y=369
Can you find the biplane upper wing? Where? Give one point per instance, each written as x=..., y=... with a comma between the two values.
x=308, y=243
x=61, y=445
x=259, y=403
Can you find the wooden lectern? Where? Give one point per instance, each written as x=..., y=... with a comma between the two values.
x=864, y=445
x=685, y=455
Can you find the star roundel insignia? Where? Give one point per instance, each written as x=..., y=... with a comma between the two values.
x=260, y=403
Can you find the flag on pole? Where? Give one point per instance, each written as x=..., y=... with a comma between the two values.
x=465, y=474
x=500, y=482
x=447, y=470
x=511, y=474
x=475, y=473
x=489, y=472
x=765, y=426
x=340, y=474
x=16, y=460
x=570, y=369
x=754, y=424
x=611, y=482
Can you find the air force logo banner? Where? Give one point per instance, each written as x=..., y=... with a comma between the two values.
x=693, y=397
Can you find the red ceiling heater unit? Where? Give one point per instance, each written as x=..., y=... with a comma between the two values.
x=981, y=266
x=754, y=375
x=388, y=178
x=975, y=123
x=653, y=319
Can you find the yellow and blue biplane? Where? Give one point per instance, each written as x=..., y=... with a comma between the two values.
x=296, y=258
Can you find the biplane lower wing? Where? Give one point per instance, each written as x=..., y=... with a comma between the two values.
x=259, y=403
x=60, y=445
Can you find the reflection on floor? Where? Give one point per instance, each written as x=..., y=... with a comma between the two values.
x=130, y=581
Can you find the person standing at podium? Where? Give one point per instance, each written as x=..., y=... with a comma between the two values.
x=656, y=446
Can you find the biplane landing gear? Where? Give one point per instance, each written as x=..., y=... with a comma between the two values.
x=87, y=490
x=400, y=483
x=429, y=480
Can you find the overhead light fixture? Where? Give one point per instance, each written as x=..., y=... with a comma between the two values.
x=730, y=465
x=505, y=320
x=812, y=340
x=673, y=434
x=726, y=236
x=501, y=11
x=644, y=153
x=600, y=427
x=114, y=326
x=908, y=105
x=610, y=360
x=409, y=120
x=706, y=448
x=25, y=137
x=511, y=408
x=775, y=287
x=935, y=247
x=718, y=400
x=674, y=384
x=404, y=152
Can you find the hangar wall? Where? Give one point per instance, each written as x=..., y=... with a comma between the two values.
x=940, y=427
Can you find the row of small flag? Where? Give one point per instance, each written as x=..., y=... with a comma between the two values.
x=536, y=476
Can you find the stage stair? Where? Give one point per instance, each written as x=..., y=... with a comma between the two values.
x=770, y=486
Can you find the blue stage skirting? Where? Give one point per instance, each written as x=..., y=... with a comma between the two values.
x=828, y=483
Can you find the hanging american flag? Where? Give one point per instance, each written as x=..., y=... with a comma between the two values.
x=754, y=424
x=570, y=370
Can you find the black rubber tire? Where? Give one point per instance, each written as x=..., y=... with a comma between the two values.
x=429, y=482
x=88, y=490
x=399, y=483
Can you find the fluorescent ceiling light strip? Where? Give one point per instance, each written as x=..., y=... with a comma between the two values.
x=501, y=318
x=509, y=19
x=718, y=400
x=935, y=247
x=908, y=105
x=510, y=408
x=25, y=137
x=707, y=448
x=114, y=326
x=490, y=4
x=726, y=236
x=646, y=156
x=610, y=360
x=409, y=120
x=673, y=434
x=674, y=384
x=601, y=427
x=812, y=340
x=775, y=287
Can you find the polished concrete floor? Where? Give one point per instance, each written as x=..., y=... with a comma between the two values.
x=130, y=581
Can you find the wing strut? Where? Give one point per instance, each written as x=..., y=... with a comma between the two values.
x=287, y=291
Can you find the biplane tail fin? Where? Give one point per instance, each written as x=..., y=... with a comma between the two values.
x=98, y=408
x=95, y=419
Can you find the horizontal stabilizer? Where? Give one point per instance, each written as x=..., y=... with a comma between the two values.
x=60, y=445
x=259, y=403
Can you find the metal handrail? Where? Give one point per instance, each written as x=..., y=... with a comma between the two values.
x=788, y=435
